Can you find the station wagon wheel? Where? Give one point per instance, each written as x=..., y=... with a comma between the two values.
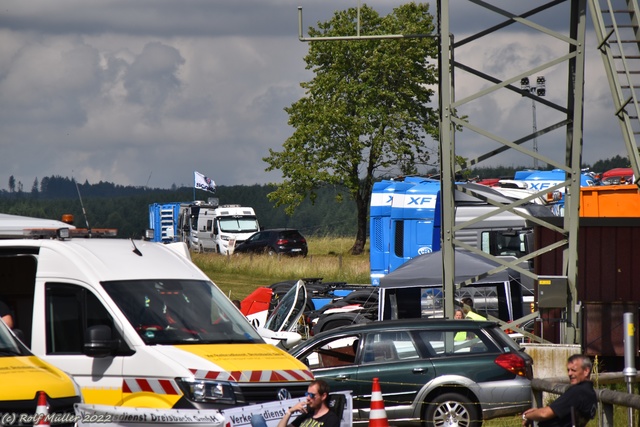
x=452, y=410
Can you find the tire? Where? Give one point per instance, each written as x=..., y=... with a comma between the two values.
x=452, y=410
x=271, y=252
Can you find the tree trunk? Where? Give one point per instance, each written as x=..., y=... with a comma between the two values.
x=361, y=235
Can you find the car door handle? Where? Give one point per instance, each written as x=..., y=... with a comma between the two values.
x=418, y=370
x=342, y=377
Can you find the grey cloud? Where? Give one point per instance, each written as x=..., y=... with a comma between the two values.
x=152, y=77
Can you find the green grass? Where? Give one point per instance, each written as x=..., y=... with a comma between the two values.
x=329, y=258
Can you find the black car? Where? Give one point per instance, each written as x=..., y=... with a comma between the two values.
x=287, y=241
x=433, y=371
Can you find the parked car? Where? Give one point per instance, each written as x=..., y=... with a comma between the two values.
x=434, y=371
x=287, y=241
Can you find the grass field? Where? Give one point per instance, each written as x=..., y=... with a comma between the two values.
x=329, y=258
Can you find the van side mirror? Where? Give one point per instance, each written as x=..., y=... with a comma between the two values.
x=98, y=341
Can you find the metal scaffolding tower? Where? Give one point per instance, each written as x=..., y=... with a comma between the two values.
x=568, y=116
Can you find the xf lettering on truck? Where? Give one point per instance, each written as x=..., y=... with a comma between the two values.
x=539, y=186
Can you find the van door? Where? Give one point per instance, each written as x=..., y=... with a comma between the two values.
x=69, y=310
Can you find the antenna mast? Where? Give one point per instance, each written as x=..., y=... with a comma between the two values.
x=84, y=213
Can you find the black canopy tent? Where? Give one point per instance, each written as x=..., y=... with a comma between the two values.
x=401, y=290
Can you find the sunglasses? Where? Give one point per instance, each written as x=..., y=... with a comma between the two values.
x=311, y=395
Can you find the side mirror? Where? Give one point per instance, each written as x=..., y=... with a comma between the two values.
x=98, y=342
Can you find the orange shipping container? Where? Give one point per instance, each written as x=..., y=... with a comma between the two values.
x=615, y=201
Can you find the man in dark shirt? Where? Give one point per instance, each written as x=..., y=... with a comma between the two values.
x=576, y=406
x=315, y=411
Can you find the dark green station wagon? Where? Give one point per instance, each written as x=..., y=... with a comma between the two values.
x=432, y=372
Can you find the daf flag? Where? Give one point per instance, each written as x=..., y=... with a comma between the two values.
x=204, y=183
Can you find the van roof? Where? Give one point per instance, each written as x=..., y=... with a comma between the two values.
x=98, y=259
x=14, y=225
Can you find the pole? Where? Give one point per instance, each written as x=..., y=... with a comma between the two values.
x=535, y=138
x=629, y=357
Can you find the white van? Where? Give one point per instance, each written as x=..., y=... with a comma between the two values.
x=136, y=323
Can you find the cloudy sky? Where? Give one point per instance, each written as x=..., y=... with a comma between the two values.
x=144, y=92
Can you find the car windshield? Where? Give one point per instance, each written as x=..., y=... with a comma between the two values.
x=288, y=311
x=180, y=312
x=239, y=225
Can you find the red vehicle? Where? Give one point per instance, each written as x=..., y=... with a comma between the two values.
x=617, y=176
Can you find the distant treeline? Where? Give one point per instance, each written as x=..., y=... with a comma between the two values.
x=127, y=208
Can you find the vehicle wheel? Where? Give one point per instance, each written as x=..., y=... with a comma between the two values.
x=271, y=252
x=452, y=410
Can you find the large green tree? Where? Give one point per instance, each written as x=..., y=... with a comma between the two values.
x=366, y=112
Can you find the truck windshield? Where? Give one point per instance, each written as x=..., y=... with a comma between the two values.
x=247, y=224
x=180, y=312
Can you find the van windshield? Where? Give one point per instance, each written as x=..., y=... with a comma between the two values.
x=246, y=224
x=180, y=312
x=9, y=346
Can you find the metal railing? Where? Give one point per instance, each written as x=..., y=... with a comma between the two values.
x=607, y=399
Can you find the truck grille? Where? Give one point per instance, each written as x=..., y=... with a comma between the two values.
x=259, y=393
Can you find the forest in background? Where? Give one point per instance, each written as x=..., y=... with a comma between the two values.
x=127, y=207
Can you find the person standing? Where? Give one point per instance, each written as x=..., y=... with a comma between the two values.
x=315, y=411
x=460, y=335
x=469, y=312
x=576, y=406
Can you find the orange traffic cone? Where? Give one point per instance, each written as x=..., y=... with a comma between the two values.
x=42, y=411
x=377, y=415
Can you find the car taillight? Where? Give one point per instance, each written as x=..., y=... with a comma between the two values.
x=303, y=240
x=512, y=363
x=282, y=242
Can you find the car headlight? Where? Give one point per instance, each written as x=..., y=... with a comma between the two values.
x=208, y=391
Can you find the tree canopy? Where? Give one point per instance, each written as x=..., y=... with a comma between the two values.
x=366, y=112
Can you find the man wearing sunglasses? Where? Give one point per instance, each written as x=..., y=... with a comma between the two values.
x=315, y=412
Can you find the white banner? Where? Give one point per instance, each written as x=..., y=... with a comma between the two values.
x=204, y=183
x=262, y=415
x=111, y=416
x=269, y=414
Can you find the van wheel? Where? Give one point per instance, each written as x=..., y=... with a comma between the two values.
x=452, y=410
